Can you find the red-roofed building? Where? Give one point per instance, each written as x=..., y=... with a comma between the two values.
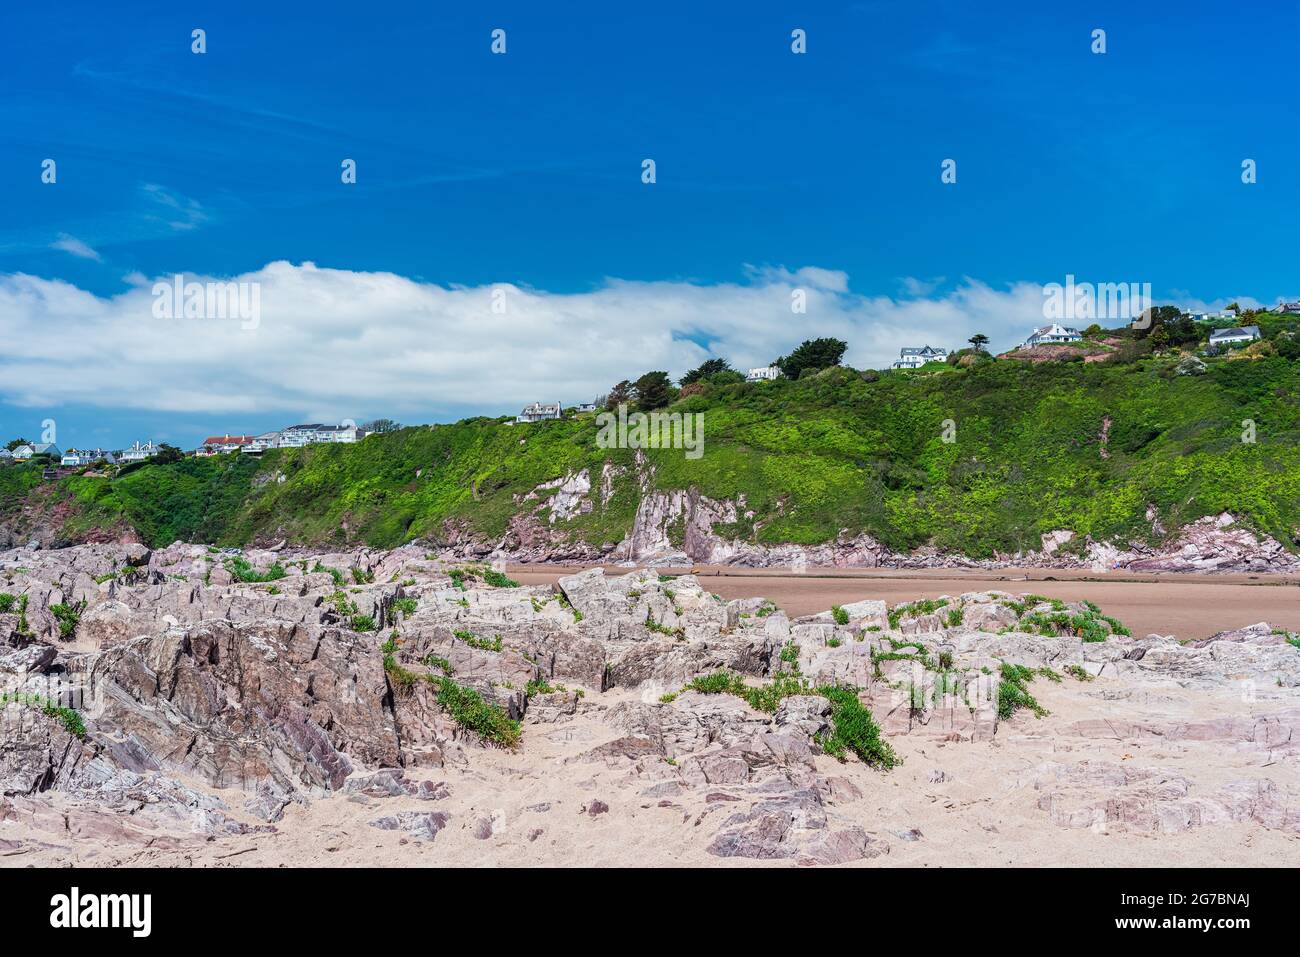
x=216, y=444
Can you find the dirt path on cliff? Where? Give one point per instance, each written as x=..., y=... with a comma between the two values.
x=1189, y=606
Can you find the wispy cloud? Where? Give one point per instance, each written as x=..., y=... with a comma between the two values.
x=179, y=212
x=75, y=247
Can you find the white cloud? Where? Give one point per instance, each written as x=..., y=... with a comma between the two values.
x=73, y=245
x=334, y=343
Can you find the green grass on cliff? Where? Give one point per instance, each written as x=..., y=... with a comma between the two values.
x=811, y=457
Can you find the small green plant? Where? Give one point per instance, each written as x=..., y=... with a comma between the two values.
x=539, y=686
x=241, y=570
x=926, y=606
x=363, y=623
x=439, y=662
x=833, y=642
x=7, y=602
x=405, y=606
x=954, y=618
x=70, y=719
x=361, y=577
x=482, y=644
x=662, y=629
x=467, y=708
x=68, y=616
x=1078, y=672
x=498, y=579
x=839, y=614
x=1012, y=693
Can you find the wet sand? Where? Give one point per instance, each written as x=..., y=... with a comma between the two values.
x=1185, y=605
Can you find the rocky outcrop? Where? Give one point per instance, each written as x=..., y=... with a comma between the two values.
x=193, y=694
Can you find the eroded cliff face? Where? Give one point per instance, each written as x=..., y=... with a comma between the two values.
x=682, y=526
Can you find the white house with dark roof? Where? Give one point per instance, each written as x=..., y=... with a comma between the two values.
x=539, y=412
x=1234, y=337
x=913, y=357
x=1052, y=334
x=763, y=374
x=138, y=453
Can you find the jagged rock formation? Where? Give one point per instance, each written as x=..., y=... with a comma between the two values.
x=172, y=702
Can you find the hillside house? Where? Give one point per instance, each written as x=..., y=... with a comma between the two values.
x=25, y=452
x=260, y=443
x=763, y=374
x=138, y=453
x=296, y=436
x=539, y=411
x=913, y=357
x=1053, y=334
x=1234, y=337
x=1285, y=308
x=337, y=433
x=217, y=444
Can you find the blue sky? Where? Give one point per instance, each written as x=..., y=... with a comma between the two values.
x=476, y=169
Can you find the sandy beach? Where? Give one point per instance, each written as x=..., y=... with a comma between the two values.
x=1185, y=605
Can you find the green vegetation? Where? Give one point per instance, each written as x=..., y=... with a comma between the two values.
x=439, y=662
x=1090, y=624
x=70, y=719
x=834, y=449
x=840, y=615
x=539, y=686
x=1012, y=693
x=1078, y=672
x=68, y=616
x=852, y=726
x=242, y=571
x=468, y=709
x=482, y=644
x=405, y=606
x=7, y=602
x=926, y=606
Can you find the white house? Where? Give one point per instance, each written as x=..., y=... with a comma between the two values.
x=763, y=374
x=540, y=411
x=1234, y=337
x=296, y=436
x=337, y=433
x=1285, y=307
x=138, y=453
x=1051, y=334
x=585, y=407
x=913, y=357
x=217, y=444
x=267, y=440
x=73, y=458
x=1210, y=316
x=24, y=452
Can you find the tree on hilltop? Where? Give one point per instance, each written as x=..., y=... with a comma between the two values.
x=654, y=390
x=706, y=370
x=812, y=355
